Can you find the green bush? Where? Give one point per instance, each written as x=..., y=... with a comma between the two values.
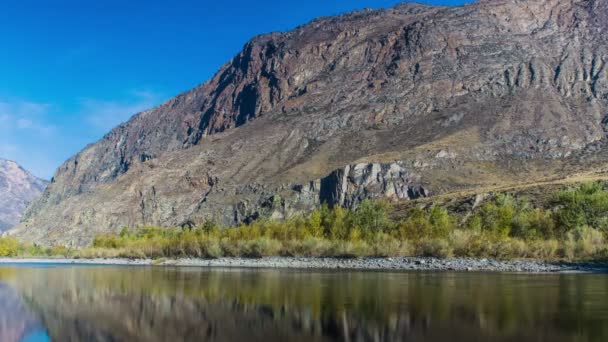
x=385, y=245
x=586, y=205
x=9, y=247
x=370, y=218
x=506, y=216
x=262, y=247
x=434, y=222
x=573, y=226
x=502, y=216
x=584, y=242
x=435, y=248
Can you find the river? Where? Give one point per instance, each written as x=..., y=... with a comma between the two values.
x=126, y=303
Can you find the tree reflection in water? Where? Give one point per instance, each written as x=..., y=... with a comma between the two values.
x=191, y=304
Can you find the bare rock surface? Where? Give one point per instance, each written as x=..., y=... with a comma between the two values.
x=399, y=102
x=18, y=187
x=395, y=264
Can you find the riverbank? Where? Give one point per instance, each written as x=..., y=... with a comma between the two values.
x=388, y=264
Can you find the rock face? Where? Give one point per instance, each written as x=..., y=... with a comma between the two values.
x=349, y=186
x=346, y=187
x=489, y=93
x=17, y=188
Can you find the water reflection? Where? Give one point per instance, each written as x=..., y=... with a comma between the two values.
x=155, y=304
x=17, y=322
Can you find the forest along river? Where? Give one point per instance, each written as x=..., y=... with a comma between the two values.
x=127, y=303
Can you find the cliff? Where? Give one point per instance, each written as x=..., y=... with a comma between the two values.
x=415, y=100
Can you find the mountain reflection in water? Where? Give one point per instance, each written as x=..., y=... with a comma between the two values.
x=17, y=322
x=192, y=304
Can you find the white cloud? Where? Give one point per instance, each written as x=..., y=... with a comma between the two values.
x=41, y=136
x=27, y=134
x=105, y=115
x=25, y=115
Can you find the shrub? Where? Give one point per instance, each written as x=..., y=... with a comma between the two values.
x=370, y=218
x=262, y=247
x=133, y=253
x=584, y=242
x=435, y=222
x=540, y=225
x=336, y=224
x=107, y=241
x=506, y=216
x=439, y=248
x=503, y=227
x=231, y=248
x=9, y=247
x=59, y=251
x=310, y=247
x=416, y=226
x=212, y=249
x=349, y=249
x=385, y=245
x=509, y=249
x=104, y=253
x=461, y=242
x=314, y=224
x=442, y=223
x=586, y=205
x=500, y=216
x=544, y=249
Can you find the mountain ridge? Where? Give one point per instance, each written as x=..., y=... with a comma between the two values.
x=18, y=187
x=452, y=97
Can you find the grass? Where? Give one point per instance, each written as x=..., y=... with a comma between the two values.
x=573, y=226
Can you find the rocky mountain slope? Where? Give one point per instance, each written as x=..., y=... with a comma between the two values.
x=18, y=187
x=398, y=103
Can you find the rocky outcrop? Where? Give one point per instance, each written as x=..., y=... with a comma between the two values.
x=349, y=186
x=489, y=93
x=346, y=187
x=18, y=187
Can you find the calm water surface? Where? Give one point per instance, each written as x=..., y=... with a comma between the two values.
x=78, y=303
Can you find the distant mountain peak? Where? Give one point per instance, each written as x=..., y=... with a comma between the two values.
x=18, y=187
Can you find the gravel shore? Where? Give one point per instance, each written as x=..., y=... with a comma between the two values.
x=396, y=264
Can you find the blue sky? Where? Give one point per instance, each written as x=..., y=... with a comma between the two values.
x=73, y=69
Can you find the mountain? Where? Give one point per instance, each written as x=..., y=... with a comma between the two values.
x=401, y=103
x=18, y=187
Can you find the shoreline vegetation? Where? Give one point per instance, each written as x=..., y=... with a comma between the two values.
x=573, y=226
